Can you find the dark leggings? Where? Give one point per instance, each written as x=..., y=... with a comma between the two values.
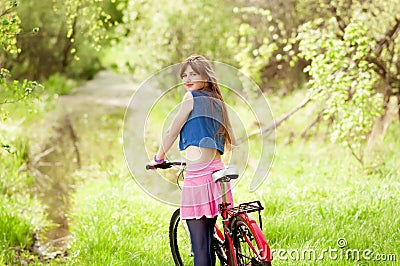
x=201, y=235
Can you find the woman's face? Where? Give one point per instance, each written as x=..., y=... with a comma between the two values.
x=192, y=80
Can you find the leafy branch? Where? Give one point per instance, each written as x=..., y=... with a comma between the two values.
x=13, y=91
x=12, y=5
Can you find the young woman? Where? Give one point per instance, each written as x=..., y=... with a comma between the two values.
x=205, y=134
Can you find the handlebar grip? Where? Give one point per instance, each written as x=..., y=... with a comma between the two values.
x=150, y=167
x=164, y=165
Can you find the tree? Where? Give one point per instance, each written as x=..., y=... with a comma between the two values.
x=348, y=49
x=262, y=46
x=11, y=91
x=354, y=65
x=156, y=34
x=71, y=35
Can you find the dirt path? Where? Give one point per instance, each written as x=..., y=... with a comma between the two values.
x=106, y=89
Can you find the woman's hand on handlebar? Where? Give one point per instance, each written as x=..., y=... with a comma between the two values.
x=153, y=163
x=156, y=160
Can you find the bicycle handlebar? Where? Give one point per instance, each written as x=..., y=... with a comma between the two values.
x=164, y=165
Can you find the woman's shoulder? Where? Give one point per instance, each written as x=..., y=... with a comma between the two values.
x=187, y=103
x=188, y=95
x=188, y=98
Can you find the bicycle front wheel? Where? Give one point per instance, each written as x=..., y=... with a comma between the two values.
x=247, y=242
x=179, y=240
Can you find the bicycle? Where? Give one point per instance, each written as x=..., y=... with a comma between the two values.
x=242, y=241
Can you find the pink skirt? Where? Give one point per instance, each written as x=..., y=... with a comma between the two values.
x=201, y=196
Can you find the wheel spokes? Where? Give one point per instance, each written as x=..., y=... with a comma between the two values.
x=246, y=247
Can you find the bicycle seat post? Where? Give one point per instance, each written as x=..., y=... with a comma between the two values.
x=223, y=186
x=225, y=175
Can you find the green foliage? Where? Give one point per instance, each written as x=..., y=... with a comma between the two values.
x=343, y=72
x=154, y=35
x=253, y=45
x=69, y=46
x=59, y=84
x=19, y=220
x=259, y=40
x=20, y=217
x=9, y=27
x=14, y=230
x=264, y=45
x=343, y=80
x=92, y=19
x=11, y=91
x=21, y=214
x=14, y=156
x=86, y=23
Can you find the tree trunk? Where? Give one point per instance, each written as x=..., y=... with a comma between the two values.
x=379, y=130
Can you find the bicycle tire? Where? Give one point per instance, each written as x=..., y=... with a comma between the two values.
x=179, y=240
x=243, y=232
x=219, y=246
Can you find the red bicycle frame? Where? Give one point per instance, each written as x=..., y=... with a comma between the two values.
x=263, y=252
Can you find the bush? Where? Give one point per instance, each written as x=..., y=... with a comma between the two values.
x=59, y=84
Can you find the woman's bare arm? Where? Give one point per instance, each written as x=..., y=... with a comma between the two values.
x=177, y=123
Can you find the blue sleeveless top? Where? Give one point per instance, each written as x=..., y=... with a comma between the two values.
x=203, y=123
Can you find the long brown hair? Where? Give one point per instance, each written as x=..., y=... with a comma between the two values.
x=202, y=66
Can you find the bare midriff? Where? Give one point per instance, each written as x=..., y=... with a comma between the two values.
x=196, y=154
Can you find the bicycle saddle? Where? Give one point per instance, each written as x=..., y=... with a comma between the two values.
x=225, y=175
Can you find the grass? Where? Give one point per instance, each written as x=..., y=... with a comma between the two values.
x=118, y=224
x=20, y=217
x=22, y=213
x=313, y=201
